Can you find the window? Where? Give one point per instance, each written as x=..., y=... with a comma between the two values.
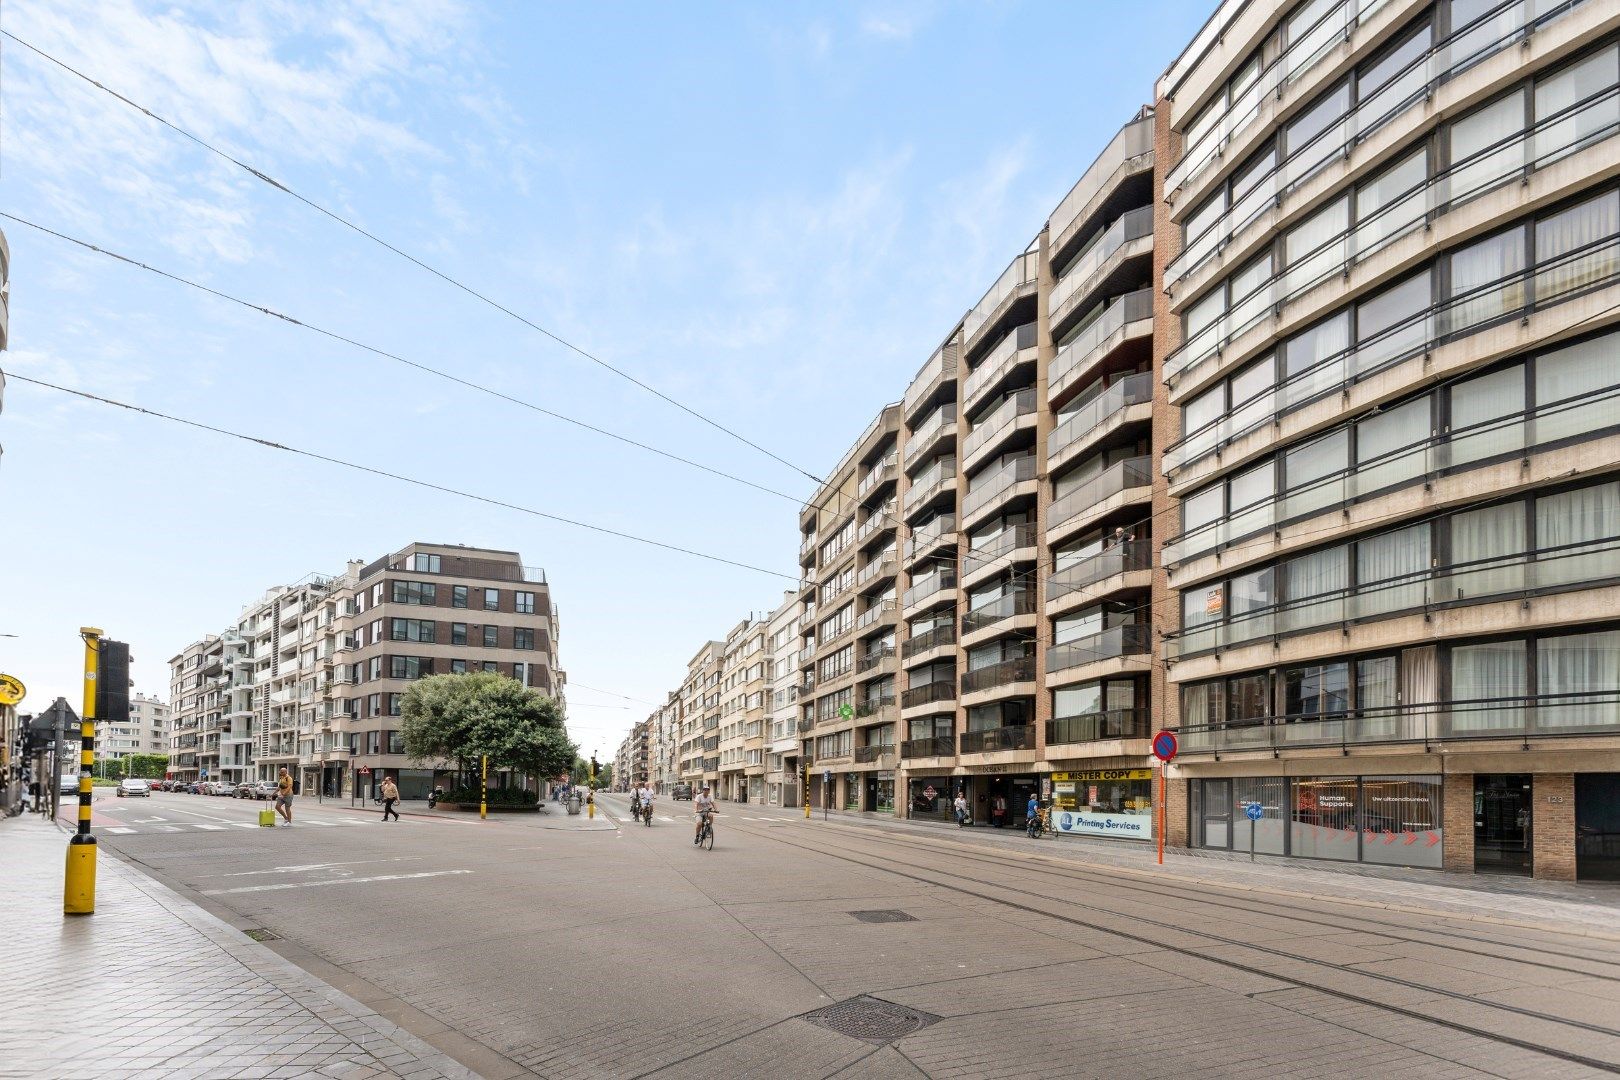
x=426, y=564
x=1484, y=151
x=1483, y=676
x=376, y=667
x=458, y=667
x=458, y=633
x=1316, y=690
x=491, y=636
x=412, y=630
x=1571, y=252
x=1248, y=698
x=1561, y=94
x=520, y=672
x=1392, y=202
x=1315, y=248
x=522, y=637
x=415, y=592
x=1584, y=671
x=1311, y=348
x=394, y=701
x=1311, y=473
x=458, y=596
x=492, y=667
x=1395, y=76
x=492, y=599
x=1309, y=141
x=525, y=603
x=374, y=704
x=396, y=740
x=409, y=667
x=1394, y=323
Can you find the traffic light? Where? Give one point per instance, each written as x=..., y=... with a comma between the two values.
x=112, y=683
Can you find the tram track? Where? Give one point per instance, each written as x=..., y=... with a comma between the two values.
x=960, y=883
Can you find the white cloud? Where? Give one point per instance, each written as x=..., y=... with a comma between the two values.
x=894, y=24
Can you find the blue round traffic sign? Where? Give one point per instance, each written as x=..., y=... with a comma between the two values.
x=1255, y=811
x=1164, y=745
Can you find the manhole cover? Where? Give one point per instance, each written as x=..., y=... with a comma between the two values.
x=886, y=915
x=870, y=1019
x=263, y=935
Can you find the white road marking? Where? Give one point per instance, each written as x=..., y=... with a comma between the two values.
x=332, y=881
x=119, y=832
x=194, y=813
x=207, y=825
x=661, y=818
x=318, y=866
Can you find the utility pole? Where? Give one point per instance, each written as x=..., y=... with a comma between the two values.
x=79, y=883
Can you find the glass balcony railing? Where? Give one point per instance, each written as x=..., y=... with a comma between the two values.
x=940, y=530
x=998, y=362
x=1008, y=540
x=1507, y=160
x=1131, y=639
x=1017, y=278
x=999, y=420
x=869, y=754
x=1013, y=737
x=929, y=693
x=1020, y=669
x=1120, y=476
x=874, y=659
x=928, y=586
x=944, y=634
x=1116, y=559
x=997, y=482
x=1134, y=140
x=930, y=429
x=1131, y=390
x=1074, y=360
x=879, y=567
x=1099, y=726
x=930, y=482
x=940, y=366
x=933, y=747
x=1010, y=605
x=875, y=614
x=1414, y=83
x=1076, y=282
x=879, y=472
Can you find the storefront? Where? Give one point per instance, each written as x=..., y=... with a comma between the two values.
x=930, y=797
x=878, y=792
x=986, y=792
x=1597, y=827
x=1388, y=820
x=1115, y=803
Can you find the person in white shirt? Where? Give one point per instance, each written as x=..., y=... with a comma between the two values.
x=644, y=799
x=702, y=806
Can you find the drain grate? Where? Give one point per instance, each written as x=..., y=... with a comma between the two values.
x=871, y=1019
x=884, y=915
x=262, y=935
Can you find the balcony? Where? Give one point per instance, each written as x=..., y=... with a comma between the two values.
x=939, y=531
x=1126, y=557
x=1013, y=351
x=940, y=368
x=1102, y=414
x=930, y=483
x=997, y=740
x=1132, y=639
x=874, y=614
x=927, y=587
x=1518, y=720
x=879, y=519
x=940, y=423
x=1129, y=151
x=1010, y=605
x=1018, y=410
x=1129, y=317
x=807, y=549
x=873, y=706
x=1112, y=725
x=866, y=755
x=1015, y=282
x=982, y=562
x=1120, y=477
x=884, y=566
x=928, y=693
x=1006, y=673
x=874, y=658
x=939, y=746
x=944, y=634
x=1120, y=241
x=879, y=473
x=990, y=488
x=807, y=723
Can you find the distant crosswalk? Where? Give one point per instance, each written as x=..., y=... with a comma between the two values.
x=163, y=825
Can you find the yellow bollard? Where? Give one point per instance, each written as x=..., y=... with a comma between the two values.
x=483, y=791
x=79, y=876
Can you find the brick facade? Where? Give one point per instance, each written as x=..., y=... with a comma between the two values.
x=1552, y=836
x=1457, y=815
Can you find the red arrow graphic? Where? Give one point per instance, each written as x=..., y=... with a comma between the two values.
x=1389, y=837
x=1408, y=839
x=1432, y=839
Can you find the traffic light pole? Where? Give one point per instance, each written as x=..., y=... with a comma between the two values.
x=590, y=809
x=79, y=882
x=807, y=787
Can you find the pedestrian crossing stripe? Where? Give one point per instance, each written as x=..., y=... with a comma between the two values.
x=205, y=826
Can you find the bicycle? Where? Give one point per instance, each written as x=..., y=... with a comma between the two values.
x=705, y=836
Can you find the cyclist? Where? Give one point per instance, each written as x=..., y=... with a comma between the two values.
x=643, y=796
x=702, y=806
x=1032, y=815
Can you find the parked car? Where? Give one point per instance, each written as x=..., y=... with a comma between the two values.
x=264, y=789
x=70, y=785
x=681, y=791
x=131, y=785
x=196, y=787
x=244, y=790
x=223, y=787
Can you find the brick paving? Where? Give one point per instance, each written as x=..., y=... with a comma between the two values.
x=153, y=986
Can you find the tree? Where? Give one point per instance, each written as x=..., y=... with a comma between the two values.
x=582, y=772
x=463, y=718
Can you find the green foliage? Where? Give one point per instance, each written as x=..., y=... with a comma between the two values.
x=145, y=766
x=497, y=796
x=462, y=718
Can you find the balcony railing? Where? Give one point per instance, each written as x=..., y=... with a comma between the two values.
x=998, y=362
x=944, y=634
x=1099, y=726
x=868, y=754
x=1015, y=737
x=939, y=366
x=936, y=746
x=1075, y=359
x=1119, y=558
x=875, y=613
x=1413, y=83
x=1019, y=669
x=1018, y=277
x=879, y=567
x=1023, y=403
x=872, y=659
x=1443, y=452
x=996, y=483
x=1513, y=158
x=928, y=693
x=879, y=472
x=872, y=706
x=931, y=482
x=936, y=531
x=1132, y=639
x=1121, y=476
x=930, y=429
x=928, y=586
x=1131, y=390
x=1008, y=540
x=1546, y=285
x=1072, y=286
x=880, y=517
x=807, y=723
x=1519, y=719
x=1020, y=602
x=1480, y=581
x=1133, y=141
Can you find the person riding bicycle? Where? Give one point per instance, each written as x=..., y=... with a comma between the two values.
x=1032, y=815
x=643, y=796
x=702, y=807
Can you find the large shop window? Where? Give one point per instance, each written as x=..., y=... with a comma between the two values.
x=1388, y=820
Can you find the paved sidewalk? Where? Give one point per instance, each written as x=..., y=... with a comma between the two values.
x=153, y=986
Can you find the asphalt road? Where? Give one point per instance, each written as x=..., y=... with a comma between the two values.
x=557, y=946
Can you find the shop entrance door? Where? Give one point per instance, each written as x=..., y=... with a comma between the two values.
x=1597, y=827
x=869, y=803
x=1502, y=825
x=1217, y=818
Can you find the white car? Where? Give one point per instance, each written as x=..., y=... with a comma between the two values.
x=134, y=786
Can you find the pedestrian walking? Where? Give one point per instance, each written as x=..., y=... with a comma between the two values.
x=284, y=794
x=960, y=805
x=390, y=794
x=998, y=811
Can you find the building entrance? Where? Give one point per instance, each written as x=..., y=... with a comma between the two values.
x=1502, y=823
x=1597, y=827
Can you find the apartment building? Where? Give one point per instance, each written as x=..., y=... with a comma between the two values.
x=700, y=716
x=1390, y=256
x=310, y=677
x=146, y=733
x=745, y=667
x=783, y=767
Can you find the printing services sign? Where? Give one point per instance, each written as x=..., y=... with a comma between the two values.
x=1126, y=826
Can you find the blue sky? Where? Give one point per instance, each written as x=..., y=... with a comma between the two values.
x=770, y=211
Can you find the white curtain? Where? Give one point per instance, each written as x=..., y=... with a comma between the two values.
x=1487, y=416
x=1315, y=249
x=1580, y=664
x=1585, y=380
x=1391, y=570
x=1321, y=574
x=1591, y=81
x=1376, y=698
x=1482, y=675
x=1313, y=360
x=1584, y=524
x=1484, y=152
x=1495, y=533
x=1394, y=324
x=1420, y=689
x=1314, y=475
x=1576, y=248
x=1487, y=281
x=1392, y=203
x=1392, y=446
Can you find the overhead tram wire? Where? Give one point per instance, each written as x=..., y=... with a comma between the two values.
x=415, y=482
x=385, y=354
x=429, y=268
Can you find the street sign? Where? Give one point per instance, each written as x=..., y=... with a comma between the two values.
x=1255, y=811
x=365, y=770
x=1164, y=745
x=12, y=690
x=929, y=792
